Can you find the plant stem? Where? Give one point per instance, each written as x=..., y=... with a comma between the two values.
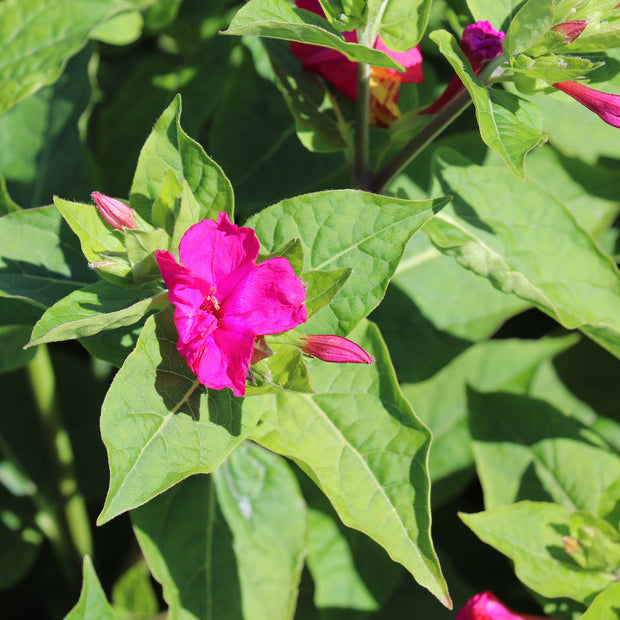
x=71, y=516
x=419, y=142
x=362, y=111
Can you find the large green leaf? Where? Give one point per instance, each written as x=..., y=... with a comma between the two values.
x=401, y=23
x=530, y=534
x=605, y=605
x=508, y=124
x=498, y=12
x=340, y=229
x=506, y=365
x=526, y=449
x=40, y=260
x=170, y=148
x=29, y=60
x=262, y=504
x=526, y=242
x=41, y=150
x=160, y=425
x=279, y=19
x=93, y=602
x=93, y=309
x=359, y=440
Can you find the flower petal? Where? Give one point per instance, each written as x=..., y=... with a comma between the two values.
x=216, y=250
x=269, y=300
x=225, y=361
x=606, y=105
x=411, y=60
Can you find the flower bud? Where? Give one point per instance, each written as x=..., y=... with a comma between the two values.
x=486, y=606
x=607, y=106
x=480, y=42
x=571, y=29
x=335, y=349
x=116, y=213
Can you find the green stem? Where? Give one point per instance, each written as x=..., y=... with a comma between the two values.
x=419, y=142
x=362, y=119
x=72, y=516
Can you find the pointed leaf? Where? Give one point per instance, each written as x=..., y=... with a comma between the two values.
x=346, y=229
x=133, y=592
x=30, y=62
x=401, y=23
x=530, y=534
x=530, y=246
x=605, y=605
x=41, y=260
x=279, y=19
x=170, y=148
x=362, y=444
x=526, y=449
x=93, y=602
x=292, y=251
x=263, y=506
x=160, y=425
x=508, y=124
x=322, y=286
x=284, y=370
x=93, y=309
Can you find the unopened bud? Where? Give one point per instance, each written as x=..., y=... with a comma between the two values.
x=116, y=213
x=335, y=349
x=571, y=545
x=261, y=350
x=571, y=29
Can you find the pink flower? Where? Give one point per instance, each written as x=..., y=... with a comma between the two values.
x=571, y=29
x=339, y=71
x=116, y=213
x=605, y=105
x=335, y=349
x=486, y=606
x=480, y=43
x=224, y=300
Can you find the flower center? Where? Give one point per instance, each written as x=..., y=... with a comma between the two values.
x=210, y=303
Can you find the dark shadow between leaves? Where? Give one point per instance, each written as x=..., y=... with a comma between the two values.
x=179, y=387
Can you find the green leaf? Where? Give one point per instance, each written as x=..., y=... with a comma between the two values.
x=609, y=506
x=170, y=148
x=530, y=246
x=263, y=506
x=114, y=345
x=401, y=23
x=160, y=425
x=141, y=246
x=292, y=251
x=121, y=29
x=42, y=151
x=92, y=602
x=530, y=534
x=346, y=229
x=284, y=370
x=508, y=124
x=62, y=26
x=465, y=305
x=134, y=594
x=162, y=13
x=167, y=204
x=605, y=605
x=498, y=12
x=7, y=204
x=16, y=320
x=362, y=444
x=93, y=309
x=506, y=365
x=189, y=549
x=278, y=19
x=552, y=67
x=532, y=22
x=41, y=261
x=526, y=449
x=322, y=286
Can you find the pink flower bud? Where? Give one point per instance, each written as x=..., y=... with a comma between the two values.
x=571, y=29
x=116, y=213
x=480, y=43
x=605, y=105
x=335, y=349
x=486, y=606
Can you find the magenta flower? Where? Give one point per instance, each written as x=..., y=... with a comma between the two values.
x=339, y=71
x=486, y=606
x=480, y=43
x=223, y=300
x=335, y=349
x=116, y=213
x=605, y=105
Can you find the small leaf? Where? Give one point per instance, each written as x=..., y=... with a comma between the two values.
x=133, y=592
x=284, y=370
x=530, y=534
x=160, y=425
x=609, y=505
x=322, y=286
x=95, y=308
x=168, y=202
x=292, y=251
x=508, y=124
x=92, y=602
x=553, y=68
x=281, y=20
x=605, y=605
x=141, y=247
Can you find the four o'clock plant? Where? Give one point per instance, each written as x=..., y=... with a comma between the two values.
x=329, y=341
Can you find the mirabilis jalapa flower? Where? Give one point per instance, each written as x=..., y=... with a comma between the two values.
x=486, y=606
x=224, y=302
x=339, y=71
x=116, y=213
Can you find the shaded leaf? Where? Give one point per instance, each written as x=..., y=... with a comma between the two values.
x=92, y=602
